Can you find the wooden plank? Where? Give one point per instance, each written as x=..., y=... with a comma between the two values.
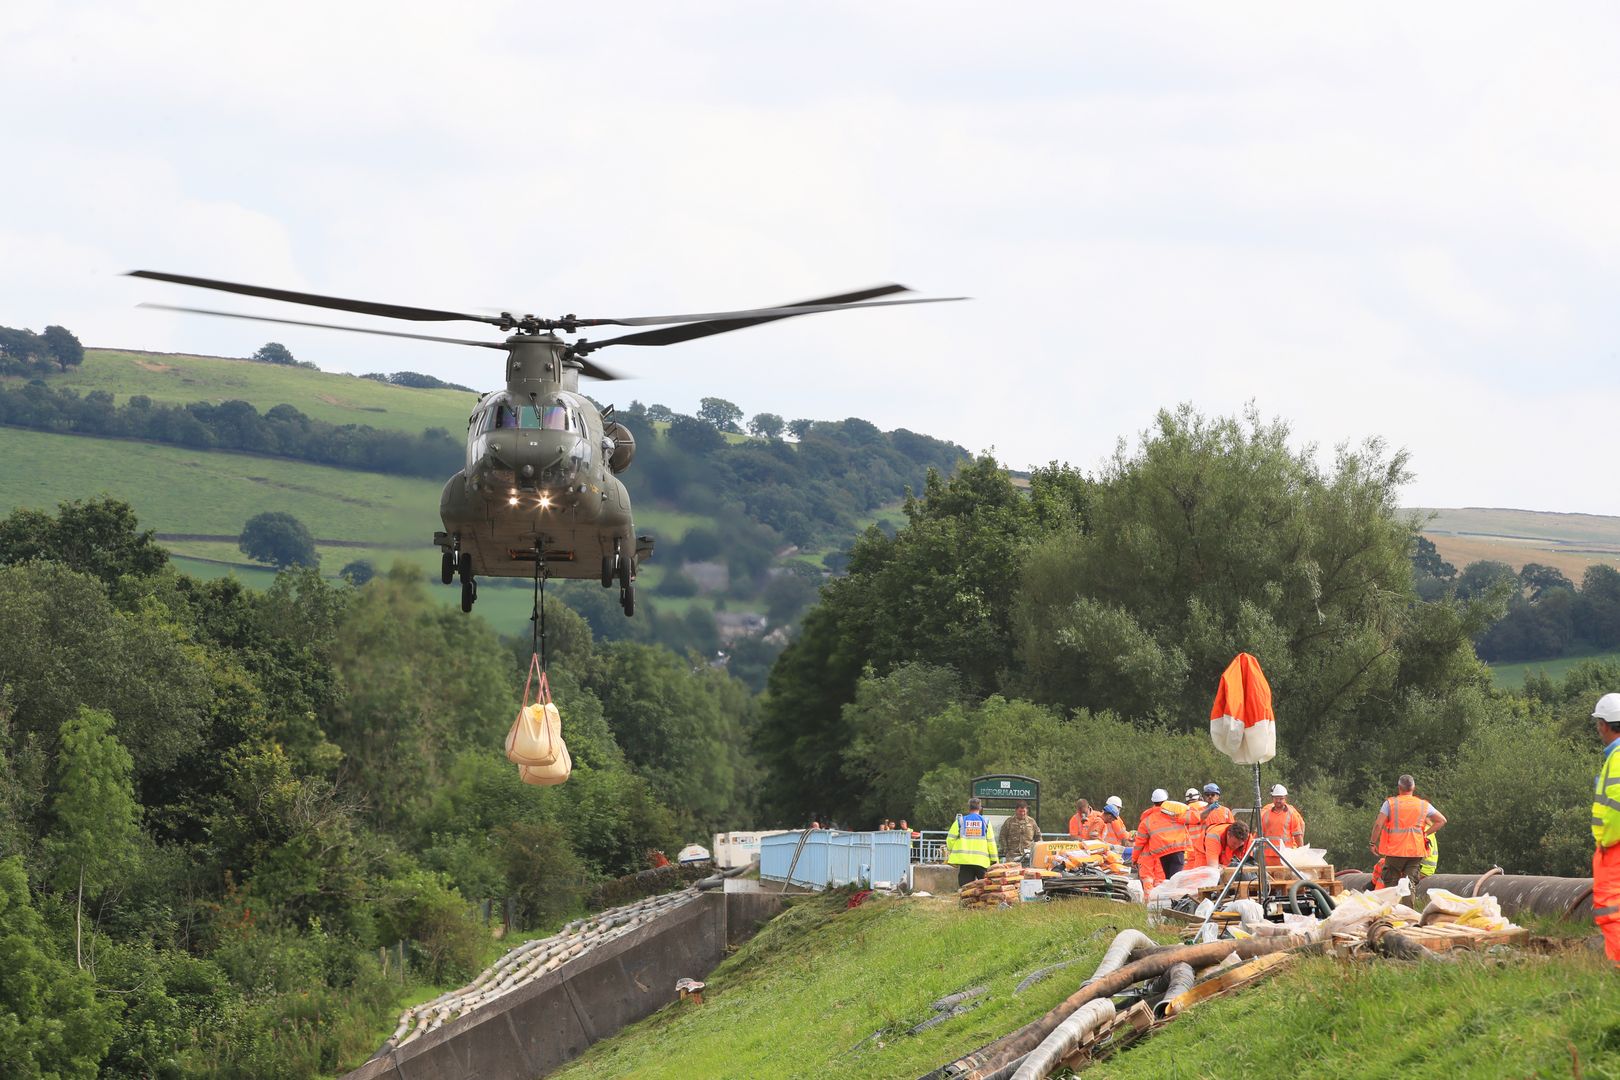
x=1230, y=979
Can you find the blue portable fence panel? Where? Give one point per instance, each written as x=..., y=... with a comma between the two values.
x=832, y=859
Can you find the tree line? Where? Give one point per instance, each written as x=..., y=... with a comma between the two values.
x=216, y=804
x=1547, y=615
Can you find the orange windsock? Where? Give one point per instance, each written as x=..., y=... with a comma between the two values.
x=1241, y=723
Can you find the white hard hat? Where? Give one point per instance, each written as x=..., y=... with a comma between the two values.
x=1192, y=793
x=1607, y=709
x=1114, y=801
x=1278, y=789
x=1159, y=795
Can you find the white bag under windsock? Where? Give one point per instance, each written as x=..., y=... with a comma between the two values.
x=1241, y=723
x=547, y=775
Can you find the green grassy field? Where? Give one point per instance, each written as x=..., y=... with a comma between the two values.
x=1512, y=676
x=337, y=399
x=803, y=999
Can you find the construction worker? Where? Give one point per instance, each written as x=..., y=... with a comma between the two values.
x=1018, y=834
x=1228, y=841
x=969, y=846
x=1281, y=823
x=1161, y=843
x=1401, y=830
x=1606, y=827
x=1086, y=823
x=1113, y=830
x=1203, y=849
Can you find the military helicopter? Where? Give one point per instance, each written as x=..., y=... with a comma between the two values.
x=539, y=495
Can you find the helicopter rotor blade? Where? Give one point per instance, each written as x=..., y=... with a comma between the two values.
x=739, y=320
x=594, y=370
x=359, y=307
x=786, y=311
x=329, y=326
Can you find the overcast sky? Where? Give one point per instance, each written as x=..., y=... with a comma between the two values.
x=1397, y=220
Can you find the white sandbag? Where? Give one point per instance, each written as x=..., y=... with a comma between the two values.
x=1306, y=858
x=554, y=773
x=1479, y=912
x=1249, y=912
x=536, y=736
x=1186, y=882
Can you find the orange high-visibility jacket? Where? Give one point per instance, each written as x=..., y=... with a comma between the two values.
x=1199, y=824
x=1403, y=826
x=1114, y=832
x=1286, y=828
x=1221, y=850
x=1160, y=832
x=1089, y=829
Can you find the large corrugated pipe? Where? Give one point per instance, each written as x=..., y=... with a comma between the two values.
x=1180, y=980
x=1559, y=897
x=985, y=1061
x=1080, y=1025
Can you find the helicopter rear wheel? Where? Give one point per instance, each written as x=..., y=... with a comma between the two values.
x=624, y=573
x=447, y=568
x=607, y=571
x=464, y=564
x=469, y=591
x=627, y=600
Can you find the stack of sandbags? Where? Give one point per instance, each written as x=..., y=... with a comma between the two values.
x=1476, y=912
x=1092, y=854
x=998, y=886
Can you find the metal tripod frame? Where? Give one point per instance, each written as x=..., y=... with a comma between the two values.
x=1255, y=851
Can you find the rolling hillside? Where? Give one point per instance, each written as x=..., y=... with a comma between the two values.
x=198, y=499
x=1567, y=542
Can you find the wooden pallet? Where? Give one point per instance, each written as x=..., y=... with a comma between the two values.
x=1250, y=890
x=1443, y=937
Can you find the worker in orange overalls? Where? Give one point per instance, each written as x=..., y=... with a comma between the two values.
x=1200, y=850
x=1161, y=843
x=1281, y=823
x=1606, y=827
x=1113, y=830
x=1401, y=831
x=1086, y=824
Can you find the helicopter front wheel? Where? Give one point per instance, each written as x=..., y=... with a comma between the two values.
x=627, y=600
x=447, y=568
x=607, y=571
x=464, y=564
x=469, y=591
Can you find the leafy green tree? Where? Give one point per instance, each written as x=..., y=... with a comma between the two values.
x=1597, y=610
x=63, y=347
x=1479, y=579
x=95, y=536
x=720, y=412
x=695, y=436
x=800, y=428
x=94, y=826
x=767, y=425
x=1537, y=579
x=51, y=1022
x=274, y=352
x=278, y=538
x=1426, y=559
x=901, y=725
x=358, y=572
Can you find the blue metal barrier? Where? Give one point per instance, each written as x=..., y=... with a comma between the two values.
x=832, y=859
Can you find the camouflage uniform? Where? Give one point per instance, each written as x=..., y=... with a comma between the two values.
x=1016, y=837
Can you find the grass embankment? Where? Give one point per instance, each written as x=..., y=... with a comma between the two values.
x=799, y=1000
x=803, y=997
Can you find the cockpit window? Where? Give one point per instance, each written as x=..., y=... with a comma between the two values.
x=527, y=417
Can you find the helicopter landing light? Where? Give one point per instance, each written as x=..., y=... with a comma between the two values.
x=545, y=502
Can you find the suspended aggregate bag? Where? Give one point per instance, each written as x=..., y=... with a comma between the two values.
x=547, y=775
x=535, y=740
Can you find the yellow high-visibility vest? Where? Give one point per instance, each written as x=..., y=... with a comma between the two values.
x=970, y=842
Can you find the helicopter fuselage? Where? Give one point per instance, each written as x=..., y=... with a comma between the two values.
x=538, y=492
